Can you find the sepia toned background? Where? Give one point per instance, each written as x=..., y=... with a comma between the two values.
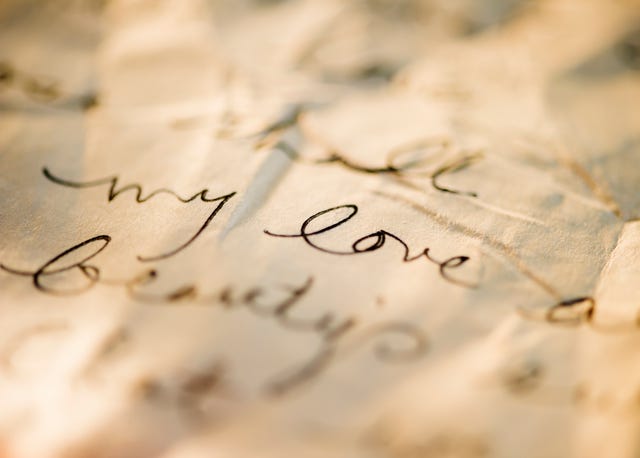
x=506, y=132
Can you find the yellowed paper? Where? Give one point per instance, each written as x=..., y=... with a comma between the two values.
x=319, y=229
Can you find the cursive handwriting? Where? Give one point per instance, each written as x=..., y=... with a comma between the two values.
x=61, y=264
x=334, y=345
x=371, y=242
x=114, y=192
x=579, y=311
x=413, y=167
x=331, y=330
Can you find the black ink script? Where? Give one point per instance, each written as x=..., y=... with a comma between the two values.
x=395, y=167
x=391, y=341
x=371, y=242
x=68, y=261
x=114, y=191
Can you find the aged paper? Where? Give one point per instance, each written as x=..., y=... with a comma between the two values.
x=304, y=228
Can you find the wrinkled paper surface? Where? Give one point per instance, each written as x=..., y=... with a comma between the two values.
x=319, y=229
